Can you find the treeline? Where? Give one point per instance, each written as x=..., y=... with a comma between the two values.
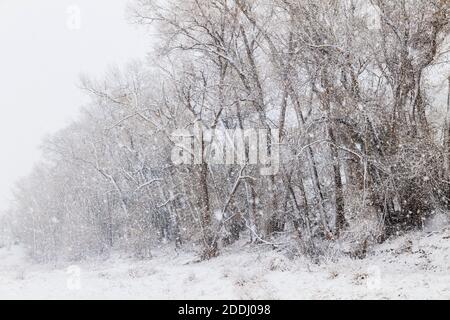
x=343, y=82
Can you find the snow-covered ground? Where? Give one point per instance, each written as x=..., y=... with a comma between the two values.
x=414, y=266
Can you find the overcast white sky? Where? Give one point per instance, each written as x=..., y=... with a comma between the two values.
x=41, y=58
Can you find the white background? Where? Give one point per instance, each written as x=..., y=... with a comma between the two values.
x=41, y=59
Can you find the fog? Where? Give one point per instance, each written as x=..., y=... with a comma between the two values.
x=44, y=46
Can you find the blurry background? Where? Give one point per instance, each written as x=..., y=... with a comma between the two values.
x=44, y=46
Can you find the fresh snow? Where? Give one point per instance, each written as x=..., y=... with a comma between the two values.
x=413, y=266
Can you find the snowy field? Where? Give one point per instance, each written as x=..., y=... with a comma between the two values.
x=415, y=266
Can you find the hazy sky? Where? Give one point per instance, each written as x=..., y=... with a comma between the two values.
x=43, y=50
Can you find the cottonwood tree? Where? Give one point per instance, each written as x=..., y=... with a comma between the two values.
x=359, y=157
